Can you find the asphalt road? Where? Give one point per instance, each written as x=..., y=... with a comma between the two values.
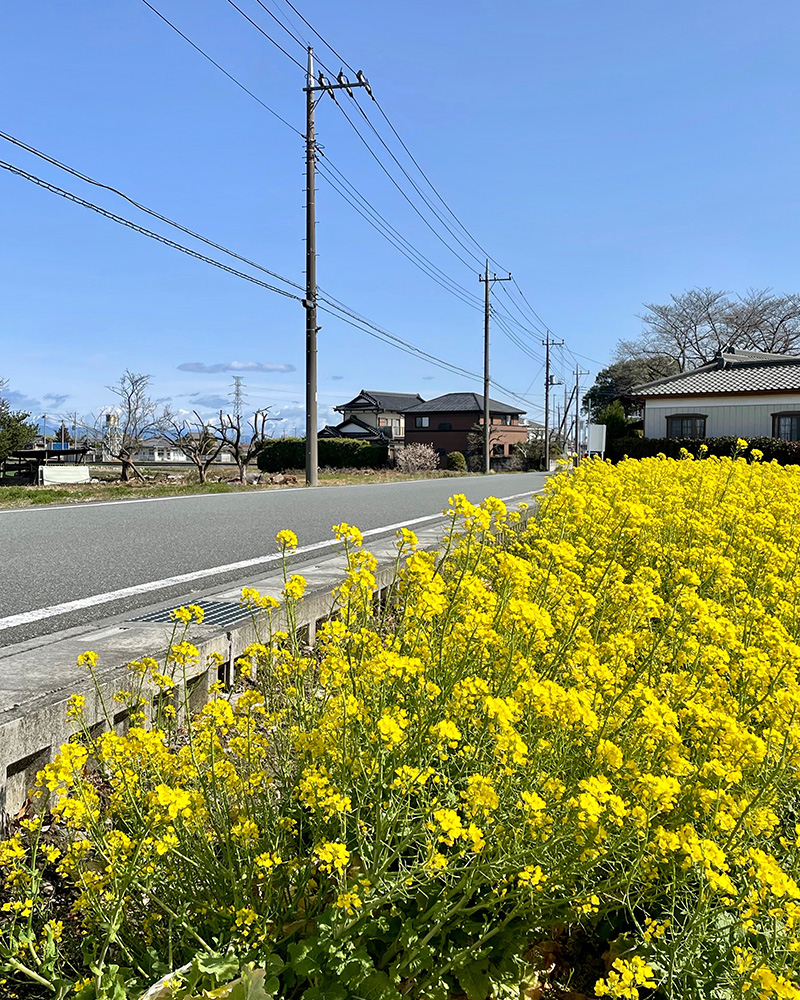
x=83, y=555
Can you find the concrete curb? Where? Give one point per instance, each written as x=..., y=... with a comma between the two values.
x=37, y=677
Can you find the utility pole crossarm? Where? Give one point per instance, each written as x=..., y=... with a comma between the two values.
x=486, y=414
x=343, y=84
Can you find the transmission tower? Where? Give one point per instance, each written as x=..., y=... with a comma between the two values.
x=237, y=394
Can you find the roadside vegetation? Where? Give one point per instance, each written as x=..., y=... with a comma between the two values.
x=561, y=762
x=114, y=489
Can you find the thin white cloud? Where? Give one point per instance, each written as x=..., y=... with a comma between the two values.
x=234, y=366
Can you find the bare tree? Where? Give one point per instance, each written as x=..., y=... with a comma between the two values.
x=134, y=418
x=244, y=438
x=766, y=322
x=696, y=325
x=195, y=439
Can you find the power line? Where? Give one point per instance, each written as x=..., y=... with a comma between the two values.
x=385, y=335
x=213, y=62
x=319, y=36
x=346, y=314
x=337, y=308
x=519, y=310
x=144, y=208
x=329, y=162
x=398, y=241
x=259, y=101
x=414, y=185
x=267, y=35
x=524, y=299
x=372, y=153
x=371, y=126
x=514, y=338
x=431, y=184
x=280, y=23
x=140, y=229
x=380, y=163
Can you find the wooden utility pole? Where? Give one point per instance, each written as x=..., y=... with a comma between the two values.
x=310, y=301
x=549, y=382
x=488, y=282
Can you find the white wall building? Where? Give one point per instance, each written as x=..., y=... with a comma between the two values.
x=159, y=449
x=744, y=394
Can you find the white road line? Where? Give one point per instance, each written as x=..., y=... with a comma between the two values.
x=26, y=617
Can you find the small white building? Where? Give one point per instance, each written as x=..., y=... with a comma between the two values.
x=159, y=449
x=744, y=394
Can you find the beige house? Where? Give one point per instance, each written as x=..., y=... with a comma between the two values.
x=374, y=416
x=744, y=394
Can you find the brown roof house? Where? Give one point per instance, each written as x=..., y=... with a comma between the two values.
x=739, y=394
x=373, y=416
x=450, y=423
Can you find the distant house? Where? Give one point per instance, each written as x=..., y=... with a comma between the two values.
x=446, y=422
x=159, y=449
x=373, y=416
x=738, y=394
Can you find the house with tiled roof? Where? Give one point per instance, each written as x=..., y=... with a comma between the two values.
x=739, y=394
x=447, y=422
x=373, y=416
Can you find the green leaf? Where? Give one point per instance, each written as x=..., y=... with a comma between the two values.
x=474, y=981
x=274, y=965
x=221, y=966
x=377, y=986
x=328, y=991
x=305, y=958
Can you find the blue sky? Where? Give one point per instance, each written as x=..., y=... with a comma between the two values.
x=609, y=154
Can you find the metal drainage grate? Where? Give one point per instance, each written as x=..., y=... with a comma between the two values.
x=218, y=613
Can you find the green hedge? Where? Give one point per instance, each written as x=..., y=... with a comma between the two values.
x=784, y=452
x=334, y=453
x=456, y=461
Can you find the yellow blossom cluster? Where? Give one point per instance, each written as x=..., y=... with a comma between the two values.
x=584, y=718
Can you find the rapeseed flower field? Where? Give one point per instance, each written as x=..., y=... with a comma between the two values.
x=563, y=754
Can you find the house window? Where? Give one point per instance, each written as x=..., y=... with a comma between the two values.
x=505, y=420
x=445, y=427
x=422, y=421
x=498, y=450
x=686, y=425
x=383, y=422
x=786, y=426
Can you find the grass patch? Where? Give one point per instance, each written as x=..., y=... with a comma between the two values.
x=12, y=497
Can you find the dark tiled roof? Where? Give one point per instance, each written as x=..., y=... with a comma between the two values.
x=458, y=402
x=369, y=432
x=369, y=399
x=731, y=371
